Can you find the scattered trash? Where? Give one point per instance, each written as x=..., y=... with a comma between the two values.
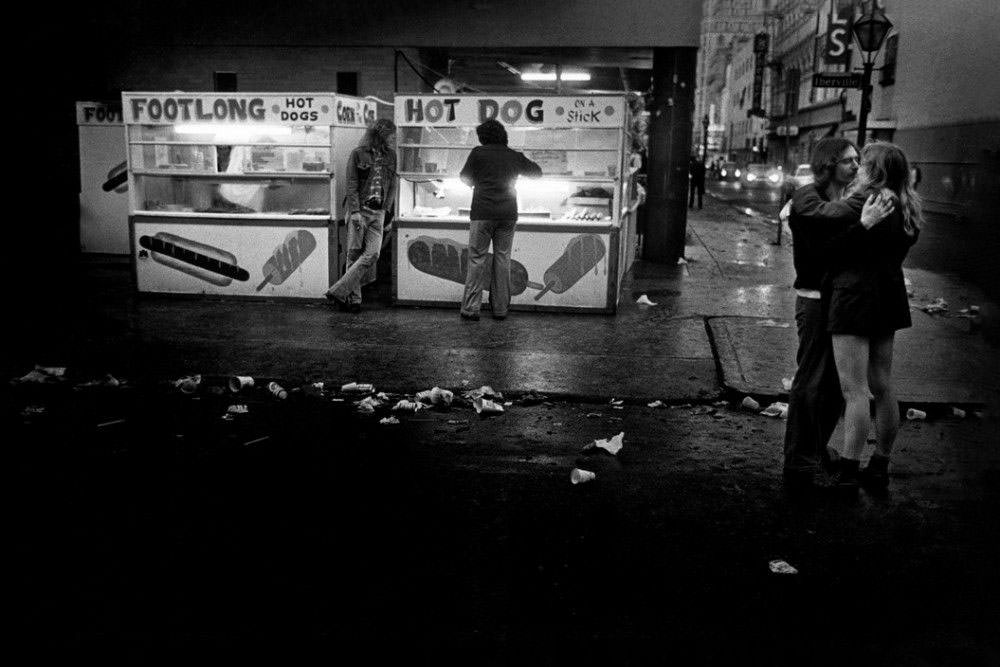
x=578, y=476
x=237, y=409
x=532, y=398
x=718, y=415
x=914, y=414
x=408, y=406
x=644, y=301
x=37, y=376
x=681, y=261
x=457, y=422
x=786, y=384
x=238, y=383
x=436, y=396
x=750, y=404
x=318, y=385
x=616, y=402
x=677, y=407
x=508, y=404
x=33, y=410
x=781, y=567
x=594, y=415
x=720, y=404
x=485, y=406
x=938, y=305
x=611, y=445
x=655, y=404
x=702, y=410
x=108, y=380
x=54, y=371
x=356, y=388
x=256, y=440
x=958, y=412
x=188, y=384
x=557, y=423
x=388, y=421
x=277, y=390
x=366, y=406
x=110, y=423
x=485, y=391
x=776, y=409
x=979, y=414
x=382, y=396
x=974, y=310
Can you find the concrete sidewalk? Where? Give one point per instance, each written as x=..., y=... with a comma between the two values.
x=723, y=322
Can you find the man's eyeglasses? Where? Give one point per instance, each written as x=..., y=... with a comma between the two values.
x=848, y=160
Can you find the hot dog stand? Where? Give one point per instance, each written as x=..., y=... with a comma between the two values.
x=576, y=232
x=103, y=183
x=237, y=193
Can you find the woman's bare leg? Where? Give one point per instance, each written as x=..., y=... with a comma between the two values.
x=851, y=356
x=880, y=381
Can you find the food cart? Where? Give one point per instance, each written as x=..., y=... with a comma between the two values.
x=576, y=231
x=237, y=193
x=103, y=179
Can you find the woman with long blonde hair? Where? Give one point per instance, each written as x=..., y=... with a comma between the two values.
x=867, y=303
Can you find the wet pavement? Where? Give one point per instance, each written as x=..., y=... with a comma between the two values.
x=149, y=521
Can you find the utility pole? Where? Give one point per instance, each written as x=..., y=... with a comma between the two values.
x=704, y=139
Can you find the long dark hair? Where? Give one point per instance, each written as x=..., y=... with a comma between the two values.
x=375, y=136
x=491, y=132
x=825, y=156
x=884, y=165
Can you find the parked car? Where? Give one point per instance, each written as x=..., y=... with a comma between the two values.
x=762, y=176
x=803, y=175
x=729, y=172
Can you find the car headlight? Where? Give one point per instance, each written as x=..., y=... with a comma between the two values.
x=737, y=173
x=723, y=172
x=751, y=177
x=773, y=178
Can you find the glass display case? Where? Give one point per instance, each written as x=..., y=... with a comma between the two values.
x=219, y=182
x=569, y=220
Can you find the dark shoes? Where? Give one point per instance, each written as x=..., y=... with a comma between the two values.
x=343, y=306
x=845, y=474
x=471, y=318
x=499, y=317
x=875, y=476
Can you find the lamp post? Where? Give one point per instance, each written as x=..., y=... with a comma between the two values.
x=704, y=139
x=870, y=31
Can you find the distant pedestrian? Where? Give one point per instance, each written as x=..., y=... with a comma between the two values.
x=817, y=219
x=866, y=293
x=697, y=173
x=491, y=171
x=371, y=189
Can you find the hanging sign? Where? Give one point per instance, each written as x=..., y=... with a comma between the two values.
x=285, y=109
x=466, y=110
x=838, y=33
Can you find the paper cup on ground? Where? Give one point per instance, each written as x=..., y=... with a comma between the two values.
x=913, y=413
x=749, y=404
x=189, y=384
x=238, y=383
x=578, y=476
x=277, y=390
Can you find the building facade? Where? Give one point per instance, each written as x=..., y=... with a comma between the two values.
x=746, y=125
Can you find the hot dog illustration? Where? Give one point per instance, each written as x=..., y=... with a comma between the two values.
x=204, y=262
x=117, y=178
x=449, y=259
x=287, y=257
x=582, y=253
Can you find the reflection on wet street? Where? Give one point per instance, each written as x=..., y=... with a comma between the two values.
x=761, y=201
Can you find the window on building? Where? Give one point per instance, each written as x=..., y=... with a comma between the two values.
x=347, y=83
x=889, y=67
x=224, y=82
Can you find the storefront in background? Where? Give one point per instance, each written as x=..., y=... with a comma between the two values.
x=576, y=231
x=238, y=193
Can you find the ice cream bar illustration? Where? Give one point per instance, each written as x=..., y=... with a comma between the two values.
x=287, y=257
x=449, y=259
x=582, y=253
x=117, y=178
x=204, y=262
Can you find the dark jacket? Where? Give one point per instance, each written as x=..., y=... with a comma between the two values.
x=864, y=287
x=359, y=172
x=816, y=222
x=492, y=172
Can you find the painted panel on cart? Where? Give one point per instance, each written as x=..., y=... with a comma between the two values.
x=547, y=268
x=233, y=260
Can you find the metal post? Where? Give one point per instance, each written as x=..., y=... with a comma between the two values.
x=866, y=103
x=704, y=138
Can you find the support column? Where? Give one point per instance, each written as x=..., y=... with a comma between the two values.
x=670, y=132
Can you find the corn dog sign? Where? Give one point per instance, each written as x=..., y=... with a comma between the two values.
x=270, y=109
x=540, y=111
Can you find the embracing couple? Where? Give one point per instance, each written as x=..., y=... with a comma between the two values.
x=852, y=229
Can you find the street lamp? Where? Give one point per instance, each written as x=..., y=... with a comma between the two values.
x=870, y=31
